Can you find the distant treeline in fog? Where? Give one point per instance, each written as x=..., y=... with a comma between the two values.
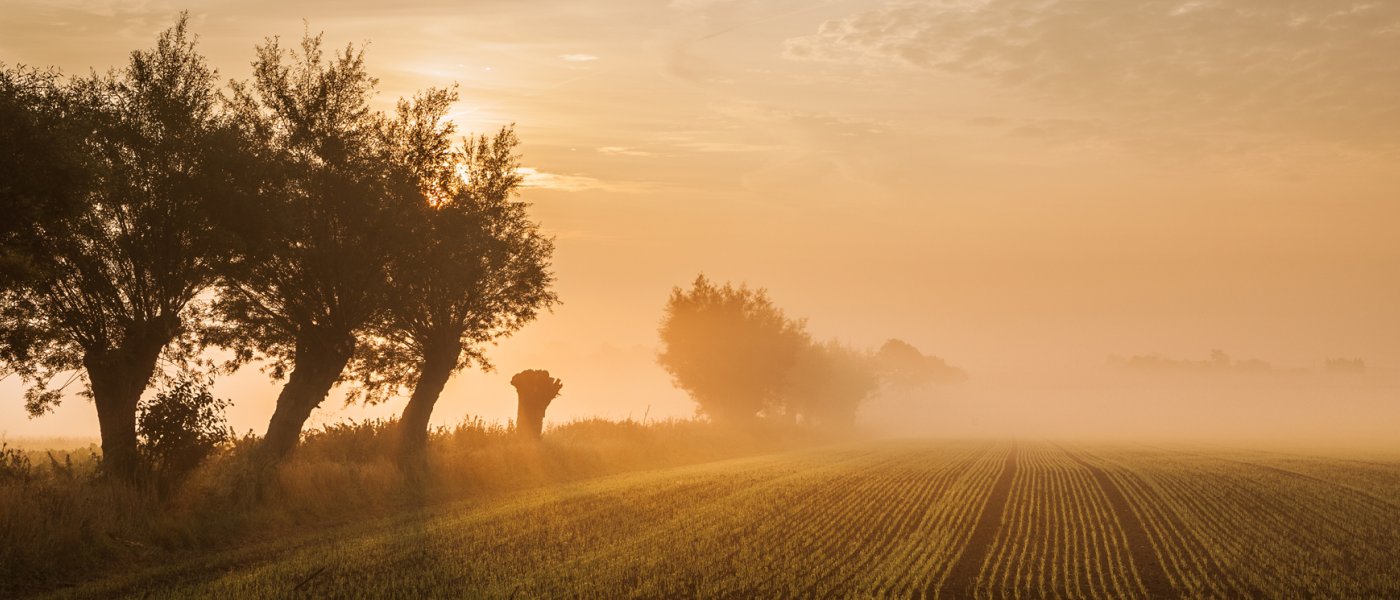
x=1222, y=363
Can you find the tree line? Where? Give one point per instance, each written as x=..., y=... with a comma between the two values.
x=153, y=213
x=742, y=359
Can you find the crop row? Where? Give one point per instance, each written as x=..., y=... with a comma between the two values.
x=1227, y=528
x=1058, y=536
x=945, y=520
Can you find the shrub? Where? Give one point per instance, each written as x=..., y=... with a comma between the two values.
x=179, y=428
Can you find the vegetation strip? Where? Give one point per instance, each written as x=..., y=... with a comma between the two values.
x=1149, y=566
x=960, y=579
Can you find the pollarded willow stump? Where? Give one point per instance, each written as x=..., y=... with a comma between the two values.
x=536, y=390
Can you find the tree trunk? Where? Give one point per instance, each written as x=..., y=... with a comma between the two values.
x=535, y=389
x=118, y=378
x=116, y=403
x=433, y=374
x=529, y=419
x=318, y=365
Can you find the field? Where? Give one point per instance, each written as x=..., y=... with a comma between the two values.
x=905, y=519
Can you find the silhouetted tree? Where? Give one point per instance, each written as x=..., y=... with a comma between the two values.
x=903, y=365
x=114, y=282
x=828, y=382
x=535, y=389
x=729, y=348
x=476, y=269
x=318, y=240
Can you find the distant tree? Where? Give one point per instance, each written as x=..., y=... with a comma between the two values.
x=179, y=428
x=535, y=390
x=1350, y=366
x=1219, y=362
x=828, y=383
x=312, y=270
x=730, y=349
x=113, y=281
x=476, y=269
x=903, y=365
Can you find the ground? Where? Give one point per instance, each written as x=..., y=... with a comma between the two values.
x=890, y=519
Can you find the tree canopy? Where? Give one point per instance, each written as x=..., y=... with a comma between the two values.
x=476, y=269
x=117, y=256
x=730, y=348
x=903, y=365
x=317, y=241
x=828, y=383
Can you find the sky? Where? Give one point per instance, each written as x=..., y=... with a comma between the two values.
x=1023, y=188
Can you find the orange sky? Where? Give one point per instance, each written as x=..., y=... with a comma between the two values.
x=1020, y=187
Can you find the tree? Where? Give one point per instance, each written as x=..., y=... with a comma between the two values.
x=114, y=281
x=828, y=382
x=316, y=243
x=535, y=389
x=729, y=348
x=477, y=268
x=903, y=365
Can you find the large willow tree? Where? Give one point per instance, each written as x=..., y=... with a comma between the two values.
x=476, y=268
x=110, y=274
x=317, y=241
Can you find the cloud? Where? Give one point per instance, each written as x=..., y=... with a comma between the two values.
x=578, y=57
x=697, y=4
x=623, y=151
x=535, y=178
x=1293, y=69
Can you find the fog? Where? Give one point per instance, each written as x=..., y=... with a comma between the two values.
x=1217, y=178
x=1309, y=413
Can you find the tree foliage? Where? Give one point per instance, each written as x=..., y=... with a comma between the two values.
x=316, y=245
x=477, y=267
x=316, y=240
x=42, y=168
x=114, y=280
x=179, y=428
x=903, y=365
x=828, y=382
x=731, y=348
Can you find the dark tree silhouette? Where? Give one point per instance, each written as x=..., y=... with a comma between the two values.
x=729, y=348
x=114, y=282
x=535, y=389
x=317, y=242
x=476, y=269
x=828, y=383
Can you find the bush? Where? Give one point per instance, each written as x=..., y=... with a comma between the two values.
x=180, y=428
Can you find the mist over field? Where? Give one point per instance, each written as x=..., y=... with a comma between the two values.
x=700, y=298
x=1308, y=410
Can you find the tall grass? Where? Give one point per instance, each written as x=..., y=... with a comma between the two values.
x=61, y=524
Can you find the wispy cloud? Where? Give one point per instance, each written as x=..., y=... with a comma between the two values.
x=561, y=182
x=623, y=151
x=578, y=57
x=1290, y=69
